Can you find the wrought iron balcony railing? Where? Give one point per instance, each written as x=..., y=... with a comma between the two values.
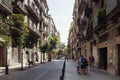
x=111, y=5
x=42, y=5
x=95, y=21
x=100, y=18
x=6, y=6
x=21, y=6
x=33, y=10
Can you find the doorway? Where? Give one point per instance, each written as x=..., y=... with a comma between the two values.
x=118, y=59
x=103, y=58
x=1, y=57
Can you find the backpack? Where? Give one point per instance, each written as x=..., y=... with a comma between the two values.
x=83, y=61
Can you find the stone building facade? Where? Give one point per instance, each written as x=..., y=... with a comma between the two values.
x=100, y=35
x=36, y=19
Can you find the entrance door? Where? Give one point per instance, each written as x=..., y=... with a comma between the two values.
x=1, y=57
x=119, y=59
x=103, y=58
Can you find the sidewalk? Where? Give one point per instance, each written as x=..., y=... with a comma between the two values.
x=71, y=74
x=15, y=68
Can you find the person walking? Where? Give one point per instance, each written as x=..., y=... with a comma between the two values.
x=91, y=61
x=83, y=64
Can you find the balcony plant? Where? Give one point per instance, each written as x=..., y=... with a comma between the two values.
x=5, y=30
x=102, y=15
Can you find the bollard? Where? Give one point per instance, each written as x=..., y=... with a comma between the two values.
x=6, y=70
x=63, y=71
x=61, y=77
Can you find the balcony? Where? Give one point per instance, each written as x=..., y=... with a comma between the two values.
x=78, y=22
x=111, y=5
x=81, y=6
x=37, y=2
x=6, y=7
x=95, y=21
x=33, y=11
x=38, y=33
x=89, y=31
x=19, y=7
x=99, y=23
x=88, y=9
x=41, y=16
x=42, y=6
x=45, y=33
x=83, y=21
x=33, y=29
x=113, y=8
x=100, y=19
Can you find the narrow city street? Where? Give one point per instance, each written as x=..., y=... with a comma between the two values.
x=53, y=70
x=47, y=71
x=52, y=39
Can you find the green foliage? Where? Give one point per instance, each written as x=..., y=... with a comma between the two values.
x=48, y=46
x=43, y=46
x=5, y=24
x=30, y=41
x=52, y=43
x=6, y=39
x=60, y=52
x=4, y=28
x=102, y=11
x=18, y=21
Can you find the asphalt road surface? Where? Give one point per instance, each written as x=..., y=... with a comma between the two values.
x=48, y=71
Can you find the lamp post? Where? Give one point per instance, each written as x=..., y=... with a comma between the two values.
x=6, y=64
x=6, y=51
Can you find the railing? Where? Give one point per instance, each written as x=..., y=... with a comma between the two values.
x=83, y=21
x=42, y=5
x=7, y=3
x=111, y=5
x=37, y=2
x=41, y=16
x=20, y=4
x=32, y=27
x=88, y=9
x=31, y=5
x=95, y=21
x=38, y=32
x=33, y=8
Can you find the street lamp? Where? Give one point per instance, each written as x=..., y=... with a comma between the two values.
x=6, y=52
x=6, y=64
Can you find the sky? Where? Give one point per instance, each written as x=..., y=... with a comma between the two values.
x=61, y=12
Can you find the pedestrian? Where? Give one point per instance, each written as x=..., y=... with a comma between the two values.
x=66, y=57
x=28, y=55
x=91, y=61
x=81, y=60
x=78, y=65
x=36, y=54
x=83, y=65
x=32, y=57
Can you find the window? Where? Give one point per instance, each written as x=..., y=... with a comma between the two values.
x=118, y=31
x=103, y=38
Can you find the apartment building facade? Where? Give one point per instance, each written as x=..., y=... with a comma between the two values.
x=36, y=14
x=6, y=9
x=98, y=32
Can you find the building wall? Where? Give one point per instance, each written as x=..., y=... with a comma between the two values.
x=108, y=48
